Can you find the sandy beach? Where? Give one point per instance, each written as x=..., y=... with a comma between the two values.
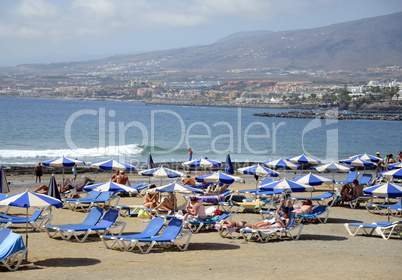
x=323, y=250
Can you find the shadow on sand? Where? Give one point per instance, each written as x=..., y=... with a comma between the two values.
x=67, y=262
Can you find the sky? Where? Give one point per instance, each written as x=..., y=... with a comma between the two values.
x=40, y=31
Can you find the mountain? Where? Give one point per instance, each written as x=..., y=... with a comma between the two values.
x=360, y=44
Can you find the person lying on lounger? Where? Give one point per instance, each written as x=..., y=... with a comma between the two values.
x=303, y=209
x=278, y=222
x=68, y=185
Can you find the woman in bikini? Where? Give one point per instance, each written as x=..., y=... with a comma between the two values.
x=151, y=200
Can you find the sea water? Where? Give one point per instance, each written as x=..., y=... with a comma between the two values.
x=36, y=130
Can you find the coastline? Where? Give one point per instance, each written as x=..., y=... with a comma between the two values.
x=374, y=108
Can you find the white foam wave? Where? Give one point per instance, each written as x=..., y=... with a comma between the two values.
x=126, y=150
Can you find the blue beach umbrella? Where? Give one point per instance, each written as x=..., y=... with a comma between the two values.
x=53, y=190
x=368, y=157
x=333, y=167
x=229, y=166
x=63, y=162
x=281, y=164
x=27, y=200
x=358, y=162
x=395, y=165
x=113, y=187
x=112, y=164
x=303, y=159
x=150, y=162
x=177, y=188
x=313, y=180
x=202, y=162
x=287, y=185
x=258, y=170
x=3, y=181
x=161, y=173
x=388, y=190
x=395, y=173
x=219, y=177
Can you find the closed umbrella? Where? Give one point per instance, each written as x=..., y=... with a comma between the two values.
x=258, y=171
x=53, y=190
x=150, y=162
x=229, y=166
x=3, y=181
x=388, y=190
x=27, y=200
x=112, y=164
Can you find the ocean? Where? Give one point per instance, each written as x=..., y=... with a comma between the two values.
x=36, y=130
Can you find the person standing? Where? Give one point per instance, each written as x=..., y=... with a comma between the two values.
x=38, y=172
x=190, y=154
x=74, y=170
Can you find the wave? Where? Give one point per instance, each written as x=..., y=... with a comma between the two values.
x=126, y=150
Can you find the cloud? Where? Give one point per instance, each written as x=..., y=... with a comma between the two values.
x=57, y=21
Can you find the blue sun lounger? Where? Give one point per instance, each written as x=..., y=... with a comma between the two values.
x=125, y=241
x=394, y=209
x=12, y=249
x=317, y=212
x=320, y=199
x=264, y=235
x=349, y=179
x=380, y=228
x=208, y=223
x=106, y=224
x=93, y=217
x=172, y=234
x=103, y=198
x=36, y=220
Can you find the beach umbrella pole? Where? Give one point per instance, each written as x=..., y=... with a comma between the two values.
x=26, y=235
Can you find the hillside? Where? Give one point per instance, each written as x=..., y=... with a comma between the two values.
x=360, y=44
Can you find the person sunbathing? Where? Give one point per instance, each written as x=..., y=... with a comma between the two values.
x=42, y=189
x=68, y=185
x=348, y=194
x=167, y=203
x=151, y=200
x=197, y=210
x=278, y=222
x=302, y=209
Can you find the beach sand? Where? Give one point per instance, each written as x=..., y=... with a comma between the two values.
x=324, y=250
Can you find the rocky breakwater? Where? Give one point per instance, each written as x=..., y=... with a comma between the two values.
x=330, y=115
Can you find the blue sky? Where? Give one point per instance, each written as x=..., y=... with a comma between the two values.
x=40, y=31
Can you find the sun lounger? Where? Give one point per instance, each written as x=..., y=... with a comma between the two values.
x=365, y=179
x=317, y=212
x=172, y=234
x=125, y=242
x=106, y=224
x=93, y=217
x=207, y=223
x=37, y=220
x=104, y=198
x=320, y=199
x=394, y=209
x=12, y=249
x=349, y=179
x=355, y=201
x=264, y=235
x=384, y=229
